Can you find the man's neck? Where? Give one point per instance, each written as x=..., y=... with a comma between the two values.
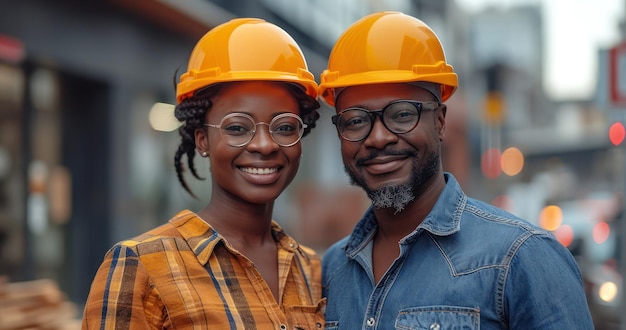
x=396, y=225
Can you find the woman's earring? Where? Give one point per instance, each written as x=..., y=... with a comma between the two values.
x=204, y=154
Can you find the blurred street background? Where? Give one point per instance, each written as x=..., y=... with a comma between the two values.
x=536, y=127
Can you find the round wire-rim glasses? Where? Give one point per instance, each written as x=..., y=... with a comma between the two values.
x=400, y=116
x=238, y=129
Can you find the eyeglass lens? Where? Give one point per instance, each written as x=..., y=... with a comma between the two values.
x=355, y=124
x=238, y=129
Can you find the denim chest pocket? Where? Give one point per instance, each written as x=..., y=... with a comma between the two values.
x=438, y=318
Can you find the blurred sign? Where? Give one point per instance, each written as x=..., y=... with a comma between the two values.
x=494, y=107
x=617, y=74
x=11, y=50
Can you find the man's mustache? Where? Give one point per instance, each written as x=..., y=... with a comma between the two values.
x=374, y=154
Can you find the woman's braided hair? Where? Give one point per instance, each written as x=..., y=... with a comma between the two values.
x=192, y=112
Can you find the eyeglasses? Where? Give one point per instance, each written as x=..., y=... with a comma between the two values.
x=401, y=116
x=238, y=129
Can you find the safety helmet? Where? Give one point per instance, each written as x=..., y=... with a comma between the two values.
x=245, y=49
x=387, y=47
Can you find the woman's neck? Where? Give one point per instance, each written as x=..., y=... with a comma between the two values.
x=240, y=223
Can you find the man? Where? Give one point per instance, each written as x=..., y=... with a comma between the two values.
x=426, y=256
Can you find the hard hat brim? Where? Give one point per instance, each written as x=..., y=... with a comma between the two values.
x=188, y=88
x=448, y=81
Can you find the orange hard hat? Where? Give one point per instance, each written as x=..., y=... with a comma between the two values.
x=245, y=49
x=387, y=47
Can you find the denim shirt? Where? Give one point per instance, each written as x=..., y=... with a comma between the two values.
x=468, y=265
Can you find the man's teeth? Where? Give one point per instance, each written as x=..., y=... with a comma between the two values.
x=256, y=170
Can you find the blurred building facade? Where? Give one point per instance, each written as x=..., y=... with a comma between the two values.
x=73, y=127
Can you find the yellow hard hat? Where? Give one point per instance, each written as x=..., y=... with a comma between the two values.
x=245, y=49
x=387, y=47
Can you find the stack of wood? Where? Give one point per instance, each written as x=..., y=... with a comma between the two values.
x=37, y=304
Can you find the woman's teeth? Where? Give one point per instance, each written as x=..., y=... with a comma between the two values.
x=256, y=170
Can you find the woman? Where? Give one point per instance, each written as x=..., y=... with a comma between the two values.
x=245, y=102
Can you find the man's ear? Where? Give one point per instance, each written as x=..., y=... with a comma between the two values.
x=441, y=120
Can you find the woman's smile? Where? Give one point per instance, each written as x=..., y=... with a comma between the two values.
x=256, y=170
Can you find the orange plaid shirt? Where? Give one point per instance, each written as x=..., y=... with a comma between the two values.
x=184, y=275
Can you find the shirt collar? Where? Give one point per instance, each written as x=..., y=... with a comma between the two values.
x=202, y=238
x=443, y=220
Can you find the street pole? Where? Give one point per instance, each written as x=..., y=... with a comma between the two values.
x=622, y=247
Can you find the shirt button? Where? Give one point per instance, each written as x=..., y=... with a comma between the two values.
x=371, y=321
x=435, y=326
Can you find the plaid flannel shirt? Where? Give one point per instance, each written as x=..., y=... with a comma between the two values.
x=184, y=275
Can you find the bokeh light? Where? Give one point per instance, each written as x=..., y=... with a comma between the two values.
x=565, y=235
x=503, y=201
x=161, y=117
x=551, y=217
x=490, y=163
x=617, y=132
x=601, y=232
x=607, y=291
x=512, y=161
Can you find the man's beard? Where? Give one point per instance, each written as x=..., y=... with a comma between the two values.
x=397, y=196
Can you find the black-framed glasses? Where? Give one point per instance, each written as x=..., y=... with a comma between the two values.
x=401, y=116
x=238, y=129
